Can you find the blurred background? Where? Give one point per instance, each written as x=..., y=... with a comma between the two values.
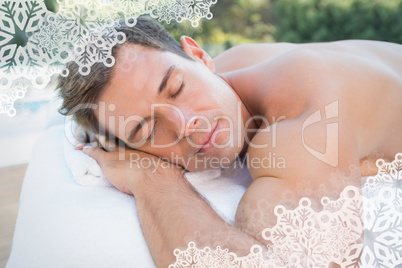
x=299, y=21
x=234, y=22
x=241, y=21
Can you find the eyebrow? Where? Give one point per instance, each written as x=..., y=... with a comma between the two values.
x=166, y=78
x=162, y=86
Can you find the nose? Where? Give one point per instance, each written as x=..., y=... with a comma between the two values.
x=184, y=127
x=192, y=125
x=180, y=122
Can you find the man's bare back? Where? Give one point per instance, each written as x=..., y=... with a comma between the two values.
x=359, y=79
x=364, y=74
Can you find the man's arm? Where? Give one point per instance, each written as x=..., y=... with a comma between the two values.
x=299, y=162
x=170, y=211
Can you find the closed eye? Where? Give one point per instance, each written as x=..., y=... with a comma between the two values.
x=152, y=133
x=178, y=91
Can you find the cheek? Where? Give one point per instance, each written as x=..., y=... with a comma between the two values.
x=166, y=140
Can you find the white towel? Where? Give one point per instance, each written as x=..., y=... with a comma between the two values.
x=63, y=224
x=224, y=188
x=84, y=168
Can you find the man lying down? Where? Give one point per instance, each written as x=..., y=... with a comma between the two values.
x=296, y=112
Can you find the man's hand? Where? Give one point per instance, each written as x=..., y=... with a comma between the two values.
x=171, y=212
x=125, y=175
x=83, y=137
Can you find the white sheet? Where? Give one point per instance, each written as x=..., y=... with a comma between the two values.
x=85, y=169
x=63, y=224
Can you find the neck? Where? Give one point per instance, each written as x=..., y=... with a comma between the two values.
x=246, y=91
x=249, y=108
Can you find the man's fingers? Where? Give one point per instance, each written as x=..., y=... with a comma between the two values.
x=80, y=134
x=108, y=145
x=94, y=152
x=79, y=146
x=83, y=137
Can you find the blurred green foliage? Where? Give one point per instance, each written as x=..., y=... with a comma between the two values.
x=298, y=21
x=51, y=5
x=234, y=22
x=328, y=20
x=242, y=21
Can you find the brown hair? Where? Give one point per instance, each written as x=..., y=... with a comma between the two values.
x=79, y=91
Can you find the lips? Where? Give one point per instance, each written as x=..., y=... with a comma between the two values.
x=209, y=140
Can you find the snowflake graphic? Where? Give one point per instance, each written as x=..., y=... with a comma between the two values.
x=339, y=237
x=359, y=229
x=388, y=180
x=318, y=238
x=192, y=10
x=222, y=258
x=383, y=216
x=194, y=257
x=18, y=21
x=131, y=8
x=50, y=36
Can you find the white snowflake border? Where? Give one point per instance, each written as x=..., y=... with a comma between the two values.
x=82, y=31
x=356, y=230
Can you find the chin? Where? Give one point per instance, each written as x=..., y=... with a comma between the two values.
x=222, y=158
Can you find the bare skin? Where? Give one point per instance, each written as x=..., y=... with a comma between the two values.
x=361, y=76
x=358, y=82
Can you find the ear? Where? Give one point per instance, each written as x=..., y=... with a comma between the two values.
x=192, y=49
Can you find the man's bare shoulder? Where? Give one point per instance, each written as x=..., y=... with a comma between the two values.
x=246, y=55
x=315, y=73
x=288, y=83
x=305, y=148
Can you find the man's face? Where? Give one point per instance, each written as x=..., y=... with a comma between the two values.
x=187, y=114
